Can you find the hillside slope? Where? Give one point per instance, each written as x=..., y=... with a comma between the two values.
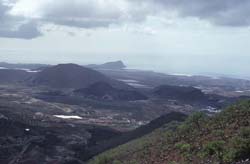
x=116, y=65
x=72, y=76
x=182, y=93
x=224, y=138
x=9, y=76
x=134, y=134
x=29, y=138
x=105, y=91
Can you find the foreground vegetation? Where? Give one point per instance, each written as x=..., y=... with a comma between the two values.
x=222, y=139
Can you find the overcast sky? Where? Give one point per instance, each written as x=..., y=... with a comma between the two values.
x=184, y=36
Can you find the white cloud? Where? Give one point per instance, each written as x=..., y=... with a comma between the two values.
x=17, y=15
x=82, y=13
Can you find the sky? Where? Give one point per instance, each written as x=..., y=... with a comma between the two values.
x=172, y=36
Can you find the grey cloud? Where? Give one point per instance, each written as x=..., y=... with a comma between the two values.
x=81, y=23
x=3, y=10
x=93, y=14
x=83, y=14
x=25, y=31
x=88, y=14
x=16, y=27
x=219, y=12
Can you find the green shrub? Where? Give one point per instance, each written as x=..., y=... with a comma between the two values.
x=241, y=143
x=219, y=133
x=102, y=159
x=230, y=155
x=215, y=148
x=197, y=119
x=183, y=147
x=245, y=132
x=116, y=162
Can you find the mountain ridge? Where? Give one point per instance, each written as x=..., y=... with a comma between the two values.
x=116, y=65
x=71, y=76
x=223, y=138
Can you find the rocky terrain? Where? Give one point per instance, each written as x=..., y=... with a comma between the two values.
x=28, y=137
x=69, y=113
x=185, y=94
x=220, y=139
x=105, y=91
x=223, y=86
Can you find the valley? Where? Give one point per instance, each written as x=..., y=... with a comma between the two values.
x=69, y=113
x=124, y=82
